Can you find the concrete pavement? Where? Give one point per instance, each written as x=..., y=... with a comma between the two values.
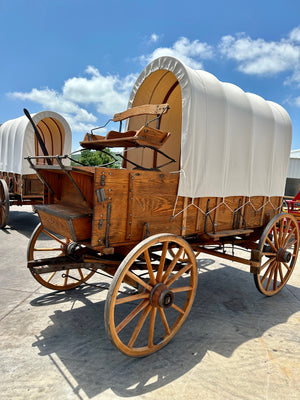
x=235, y=344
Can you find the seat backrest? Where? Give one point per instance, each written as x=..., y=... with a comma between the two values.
x=146, y=109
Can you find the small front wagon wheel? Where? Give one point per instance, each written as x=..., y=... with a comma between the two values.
x=278, y=245
x=45, y=244
x=4, y=204
x=151, y=294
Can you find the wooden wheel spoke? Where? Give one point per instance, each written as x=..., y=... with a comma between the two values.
x=269, y=254
x=51, y=276
x=178, y=274
x=275, y=236
x=164, y=320
x=66, y=277
x=270, y=267
x=177, y=309
x=172, y=265
x=275, y=276
x=280, y=273
x=271, y=244
x=137, y=279
x=286, y=241
x=162, y=262
x=286, y=229
x=152, y=326
x=287, y=266
x=149, y=267
x=54, y=237
x=139, y=326
x=47, y=249
x=266, y=263
x=133, y=314
x=182, y=289
x=80, y=273
x=290, y=244
x=281, y=226
x=133, y=297
x=270, y=276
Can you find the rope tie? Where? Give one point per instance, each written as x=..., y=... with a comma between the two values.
x=223, y=202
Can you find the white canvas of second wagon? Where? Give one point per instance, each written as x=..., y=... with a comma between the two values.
x=204, y=167
x=19, y=184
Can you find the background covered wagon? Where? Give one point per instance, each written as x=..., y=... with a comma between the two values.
x=204, y=168
x=19, y=183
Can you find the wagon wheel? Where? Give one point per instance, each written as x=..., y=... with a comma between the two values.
x=44, y=244
x=151, y=295
x=4, y=203
x=279, y=245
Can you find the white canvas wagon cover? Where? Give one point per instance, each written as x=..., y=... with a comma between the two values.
x=232, y=143
x=17, y=140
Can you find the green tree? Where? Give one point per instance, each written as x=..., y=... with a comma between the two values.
x=98, y=158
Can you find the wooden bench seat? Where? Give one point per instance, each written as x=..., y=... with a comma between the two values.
x=145, y=136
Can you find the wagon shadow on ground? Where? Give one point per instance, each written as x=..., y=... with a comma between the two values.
x=21, y=219
x=227, y=312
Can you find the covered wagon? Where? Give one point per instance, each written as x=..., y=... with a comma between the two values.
x=204, y=167
x=19, y=184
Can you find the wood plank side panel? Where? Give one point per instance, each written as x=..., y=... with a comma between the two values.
x=113, y=184
x=136, y=198
x=140, y=197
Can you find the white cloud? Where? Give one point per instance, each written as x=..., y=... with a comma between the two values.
x=260, y=57
x=154, y=38
x=294, y=101
x=108, y=94
x=294, y=78
x=190, y=52
x=294, y=35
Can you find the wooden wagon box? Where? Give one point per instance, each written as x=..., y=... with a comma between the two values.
x=122, y=207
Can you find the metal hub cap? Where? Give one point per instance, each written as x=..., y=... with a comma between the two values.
x=283, y=255
x=161, y=296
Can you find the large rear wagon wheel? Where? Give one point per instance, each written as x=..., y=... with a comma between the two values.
x=151, y=294
x=45, y=244
x=4, y=204
x=279, y=245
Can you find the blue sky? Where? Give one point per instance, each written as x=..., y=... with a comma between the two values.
x=80, y=58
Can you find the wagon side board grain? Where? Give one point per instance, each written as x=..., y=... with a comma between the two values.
x=125, y=201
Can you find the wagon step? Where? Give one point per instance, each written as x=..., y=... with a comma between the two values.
x=232, y=232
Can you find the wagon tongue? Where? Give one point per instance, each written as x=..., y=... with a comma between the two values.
x=38, y=136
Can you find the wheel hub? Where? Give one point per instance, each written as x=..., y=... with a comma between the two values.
x=71, y=248
x=283, y=255
x=161, y=296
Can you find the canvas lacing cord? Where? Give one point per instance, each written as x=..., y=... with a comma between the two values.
x=223, y=202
